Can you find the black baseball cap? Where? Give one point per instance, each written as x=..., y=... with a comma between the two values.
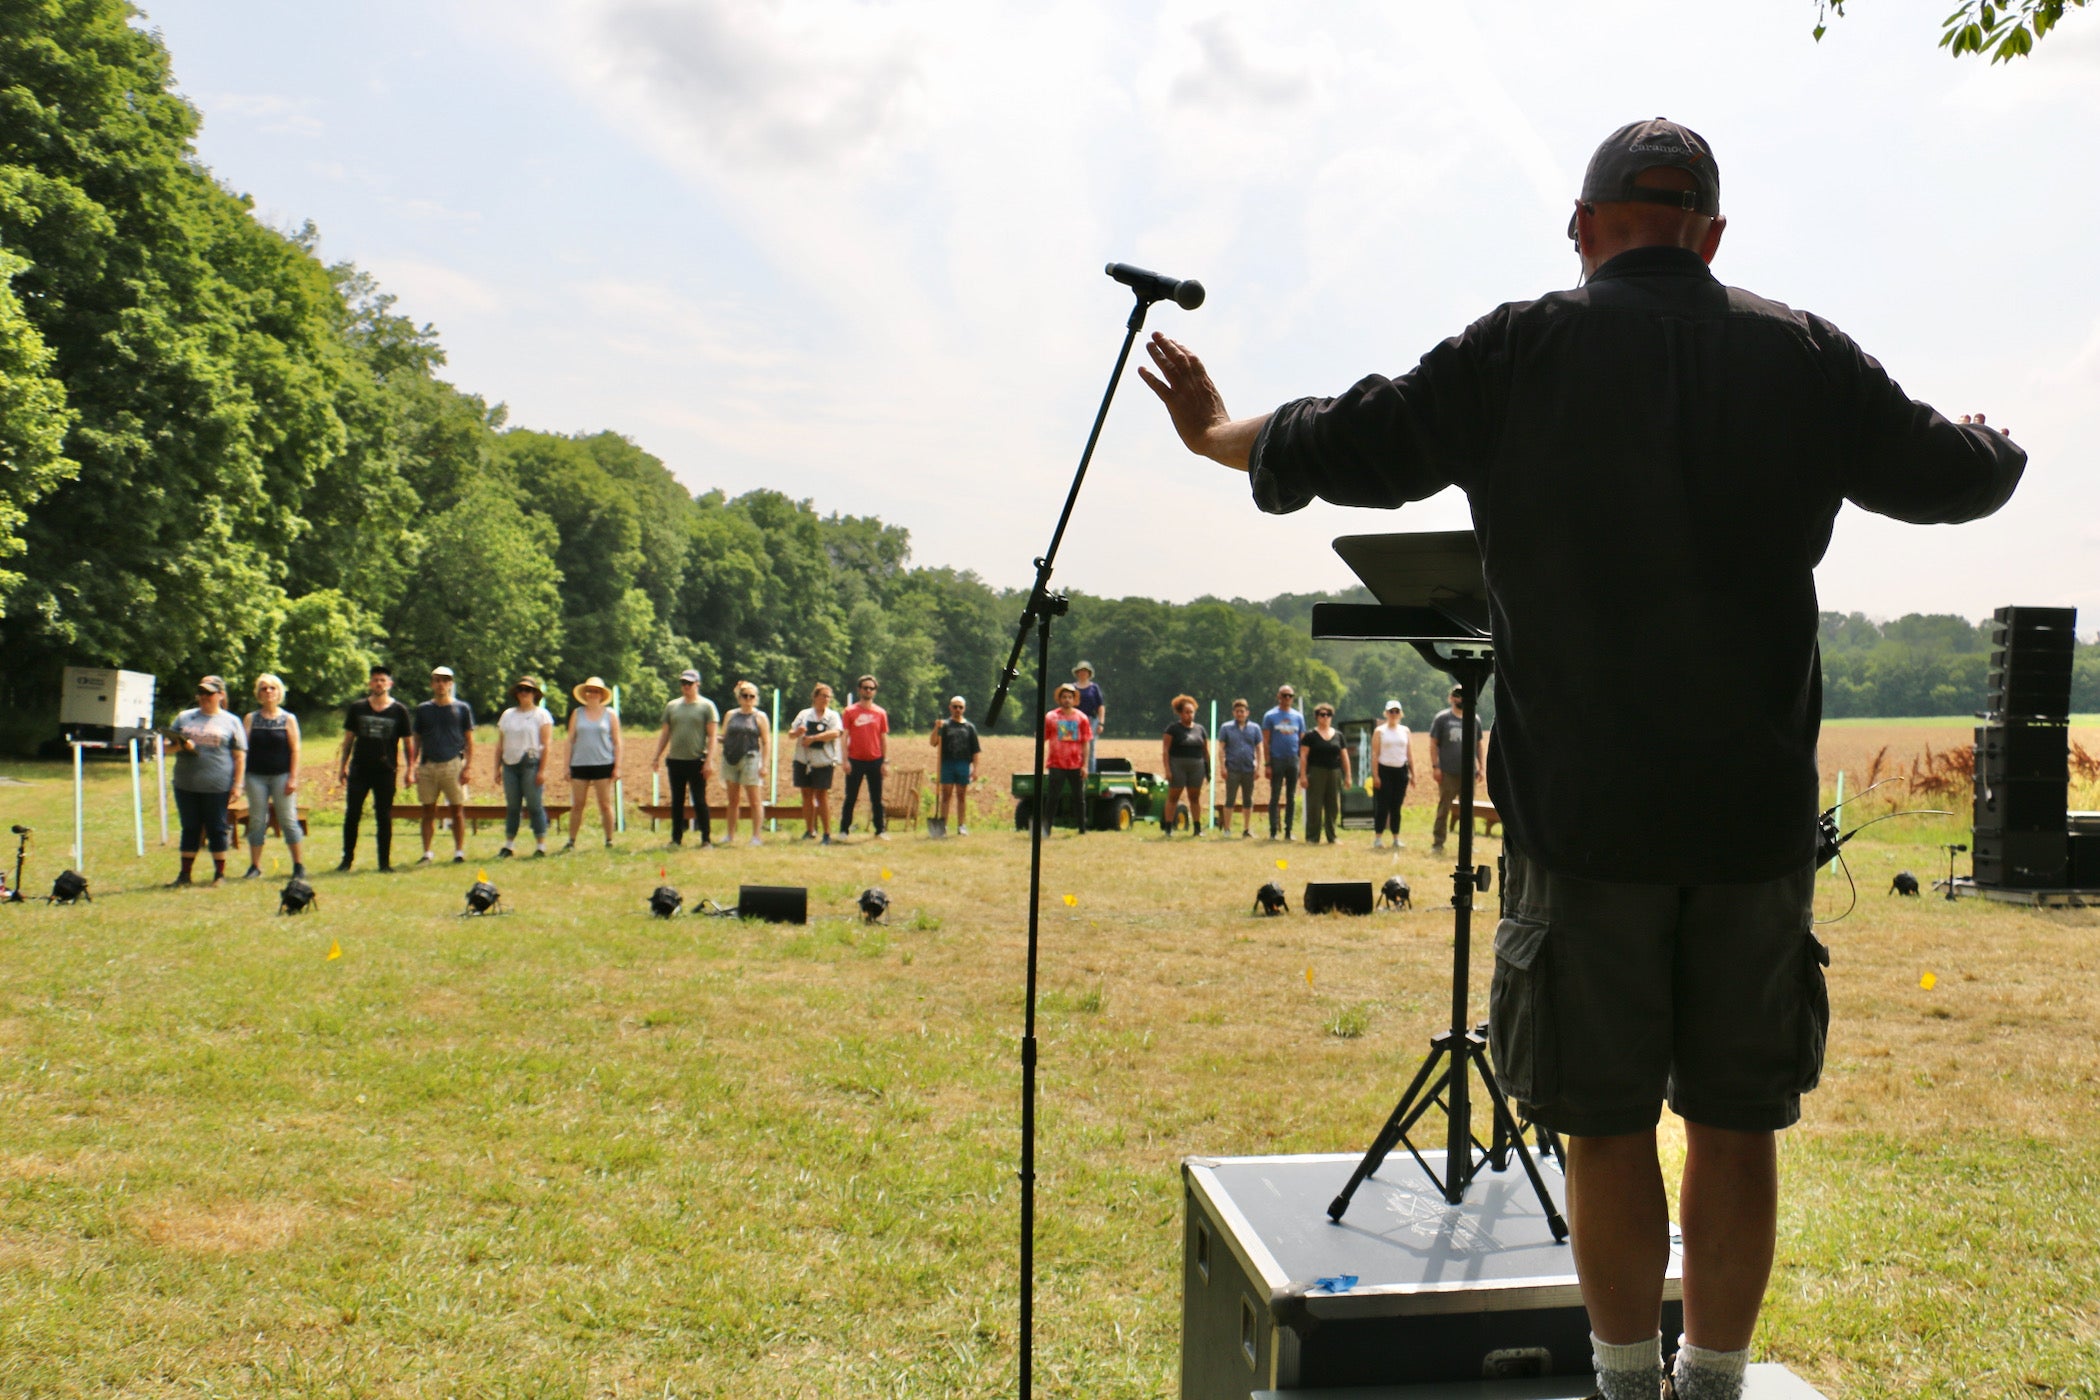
x=1652, y=145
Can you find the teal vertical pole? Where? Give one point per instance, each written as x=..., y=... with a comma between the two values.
x=1832, y=867
x=772, y=762
x=1217, y=753
x=619, y=792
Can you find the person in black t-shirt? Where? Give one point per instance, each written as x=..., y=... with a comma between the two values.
x=1323, y=775
x=374, y=729
x=957, y=740
x=1184, y=751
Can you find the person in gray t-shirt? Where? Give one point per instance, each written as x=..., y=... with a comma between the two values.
x=688, y=737
x=1447, y=755
x=211, y=757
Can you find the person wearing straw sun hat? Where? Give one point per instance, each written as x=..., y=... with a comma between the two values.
x=594, y=755
x=524, y=738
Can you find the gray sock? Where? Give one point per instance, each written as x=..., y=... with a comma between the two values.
x=1709, y=1375
x=1629, y=1372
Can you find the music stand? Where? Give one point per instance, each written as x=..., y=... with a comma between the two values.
x=1432, y=594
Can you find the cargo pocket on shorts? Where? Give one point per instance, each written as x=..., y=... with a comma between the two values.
x=1520, y=1022
x=1815, y=1011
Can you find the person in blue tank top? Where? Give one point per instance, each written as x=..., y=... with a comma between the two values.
x=594, y=756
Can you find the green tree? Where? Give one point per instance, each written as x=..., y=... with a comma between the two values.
x=33, y=423
x=503, y=614
x=2004, y=29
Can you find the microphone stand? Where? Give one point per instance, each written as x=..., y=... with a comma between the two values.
x=1043, y=605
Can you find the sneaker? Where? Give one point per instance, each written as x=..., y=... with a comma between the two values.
x=426, y=859
x=825, y=839
x=568, y=845
x=882, y=836
x=809, y=836
x=298, y=870
x=1377, y=843
x=962, y=831
x=754, y=841
x=218, y=880
x=504, y=853
x=386, y=867
x=181, y=880
x=344, y=867
x=1246, y=835
x=539, y=850
x=459, y=857
x=1397, y=843
x=254, y=873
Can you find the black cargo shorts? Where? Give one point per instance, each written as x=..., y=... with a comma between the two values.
x=1609, y=998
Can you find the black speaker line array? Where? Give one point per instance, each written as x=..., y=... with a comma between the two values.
x=2023, y=775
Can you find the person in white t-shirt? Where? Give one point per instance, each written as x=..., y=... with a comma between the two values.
x=524, y=737
x=817, y=732
x=1390, y=768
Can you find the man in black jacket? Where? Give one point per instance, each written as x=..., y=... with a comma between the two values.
x=1653, y=462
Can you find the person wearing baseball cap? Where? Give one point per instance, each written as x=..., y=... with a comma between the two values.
x=1649, y=454
x=688, y=734
x=1093, y=706
x=440, y=757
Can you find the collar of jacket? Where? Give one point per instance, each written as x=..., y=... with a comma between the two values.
x=1654, y=262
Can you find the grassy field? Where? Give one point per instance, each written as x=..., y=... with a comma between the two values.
x=577, y=1152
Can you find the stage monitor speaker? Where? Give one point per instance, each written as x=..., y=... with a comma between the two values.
x=776, y=904
x=1337, y=897
x=2021, y=805
x=2023, y=749
x=2023, y=860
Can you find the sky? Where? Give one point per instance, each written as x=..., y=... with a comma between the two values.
x=853, y=250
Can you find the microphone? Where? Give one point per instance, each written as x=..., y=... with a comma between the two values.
x=1151, y=286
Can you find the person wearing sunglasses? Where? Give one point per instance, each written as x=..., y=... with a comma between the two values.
x=867, y=755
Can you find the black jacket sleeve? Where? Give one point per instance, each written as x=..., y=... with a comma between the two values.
x=1906, y=461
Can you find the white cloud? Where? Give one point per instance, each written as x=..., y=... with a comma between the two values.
x=269, y=112
x=431, y=291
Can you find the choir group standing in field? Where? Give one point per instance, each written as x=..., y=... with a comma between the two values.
x=221, y=759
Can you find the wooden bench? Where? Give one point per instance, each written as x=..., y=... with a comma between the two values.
x=719, y=811
x=475, y=812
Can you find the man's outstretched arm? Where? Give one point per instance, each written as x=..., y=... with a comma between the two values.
x=1196, y=406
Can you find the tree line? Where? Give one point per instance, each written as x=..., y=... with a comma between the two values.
x=219, y=453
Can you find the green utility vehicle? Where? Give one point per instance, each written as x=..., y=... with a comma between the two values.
x=1117, y=798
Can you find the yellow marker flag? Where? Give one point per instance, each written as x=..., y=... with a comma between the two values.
x=1308, y=977
x=1283, y=865
x=1928, y=981
x=1071, y=901
x=885, y=874
x=482, y=875
x=335, y=950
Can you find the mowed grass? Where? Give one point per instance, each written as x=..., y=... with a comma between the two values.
x=573, y=1151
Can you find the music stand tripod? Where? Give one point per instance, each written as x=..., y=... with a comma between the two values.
x=1461, y=648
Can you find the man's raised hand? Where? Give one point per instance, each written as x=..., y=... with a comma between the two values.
x=1196, y=406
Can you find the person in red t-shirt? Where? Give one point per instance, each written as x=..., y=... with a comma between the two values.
x=1068, y=733
x=867, y=753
